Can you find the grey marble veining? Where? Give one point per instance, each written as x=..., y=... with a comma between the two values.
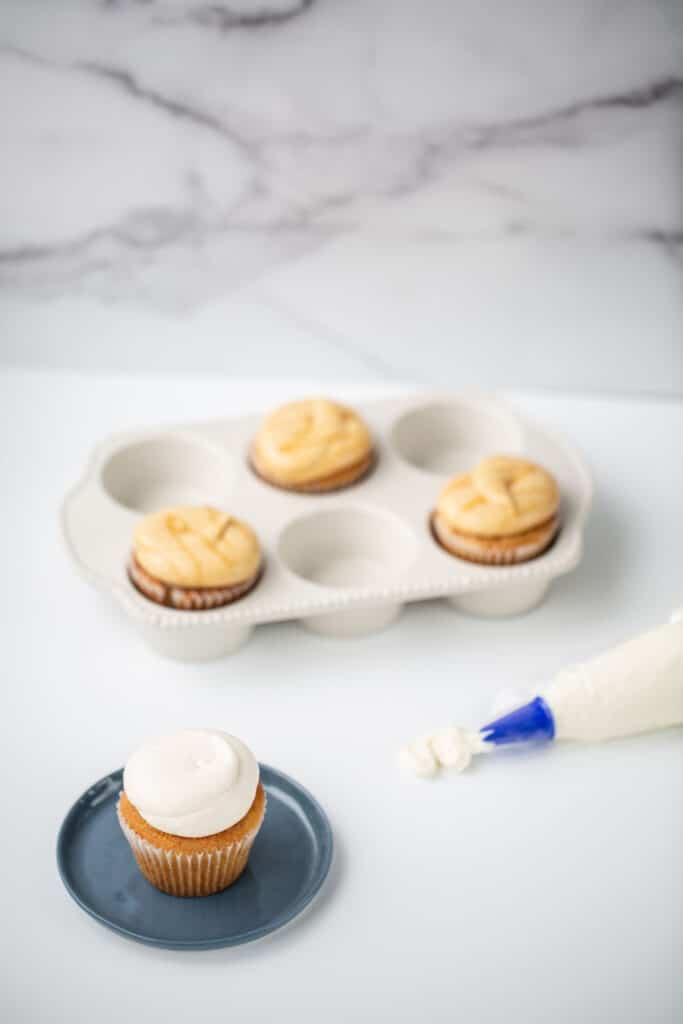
x=337, y=171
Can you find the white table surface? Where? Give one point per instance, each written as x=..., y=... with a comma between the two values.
x=539, y=887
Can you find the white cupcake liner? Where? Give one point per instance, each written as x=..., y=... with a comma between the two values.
x=190, y=874
x=473, y=550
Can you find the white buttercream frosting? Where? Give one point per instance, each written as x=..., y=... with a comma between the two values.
x=192, y=783
x=636, y=687
x=450, y=747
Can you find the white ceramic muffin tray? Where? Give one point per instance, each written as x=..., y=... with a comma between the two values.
x=342, y=563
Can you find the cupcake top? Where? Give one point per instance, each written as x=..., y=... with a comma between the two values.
x=192, y=783
x=196, y=547
x=502, y=496
x=309, y=440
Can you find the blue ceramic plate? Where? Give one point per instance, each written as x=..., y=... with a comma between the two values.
x=287, y=865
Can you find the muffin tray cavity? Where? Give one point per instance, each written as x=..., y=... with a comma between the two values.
x=342, y=563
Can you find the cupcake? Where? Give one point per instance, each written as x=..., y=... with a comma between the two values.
x=191, y=808
x=194, y=558
x=312, y=446
x=505, y=511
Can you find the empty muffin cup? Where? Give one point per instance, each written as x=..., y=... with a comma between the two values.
x=174, y=469
x=446, y=438
x=345, y=550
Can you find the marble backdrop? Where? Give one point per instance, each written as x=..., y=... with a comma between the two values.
x=446, y=192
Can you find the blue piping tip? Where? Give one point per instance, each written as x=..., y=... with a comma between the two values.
x=533, y=721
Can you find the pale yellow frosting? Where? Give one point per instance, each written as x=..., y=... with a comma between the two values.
x=196, y=546
x=501, y=497
x=309, y=440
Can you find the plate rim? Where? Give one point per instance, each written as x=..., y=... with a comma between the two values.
x=285, y=917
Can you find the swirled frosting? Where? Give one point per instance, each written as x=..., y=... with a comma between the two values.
x=502, y=496
x=193, y=783
x=196, y=547
x=309, y=440
x=449, y=747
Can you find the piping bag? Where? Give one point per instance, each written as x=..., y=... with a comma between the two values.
x=634, y=688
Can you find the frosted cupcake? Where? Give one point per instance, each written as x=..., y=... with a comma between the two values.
x=191, y=808
x=194, y=558
x=503, y=512
x=314, y=446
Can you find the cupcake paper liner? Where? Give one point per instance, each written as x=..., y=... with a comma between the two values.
x=187, y=598
x=190, y=874
x=339, y=480
x=488, y=554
